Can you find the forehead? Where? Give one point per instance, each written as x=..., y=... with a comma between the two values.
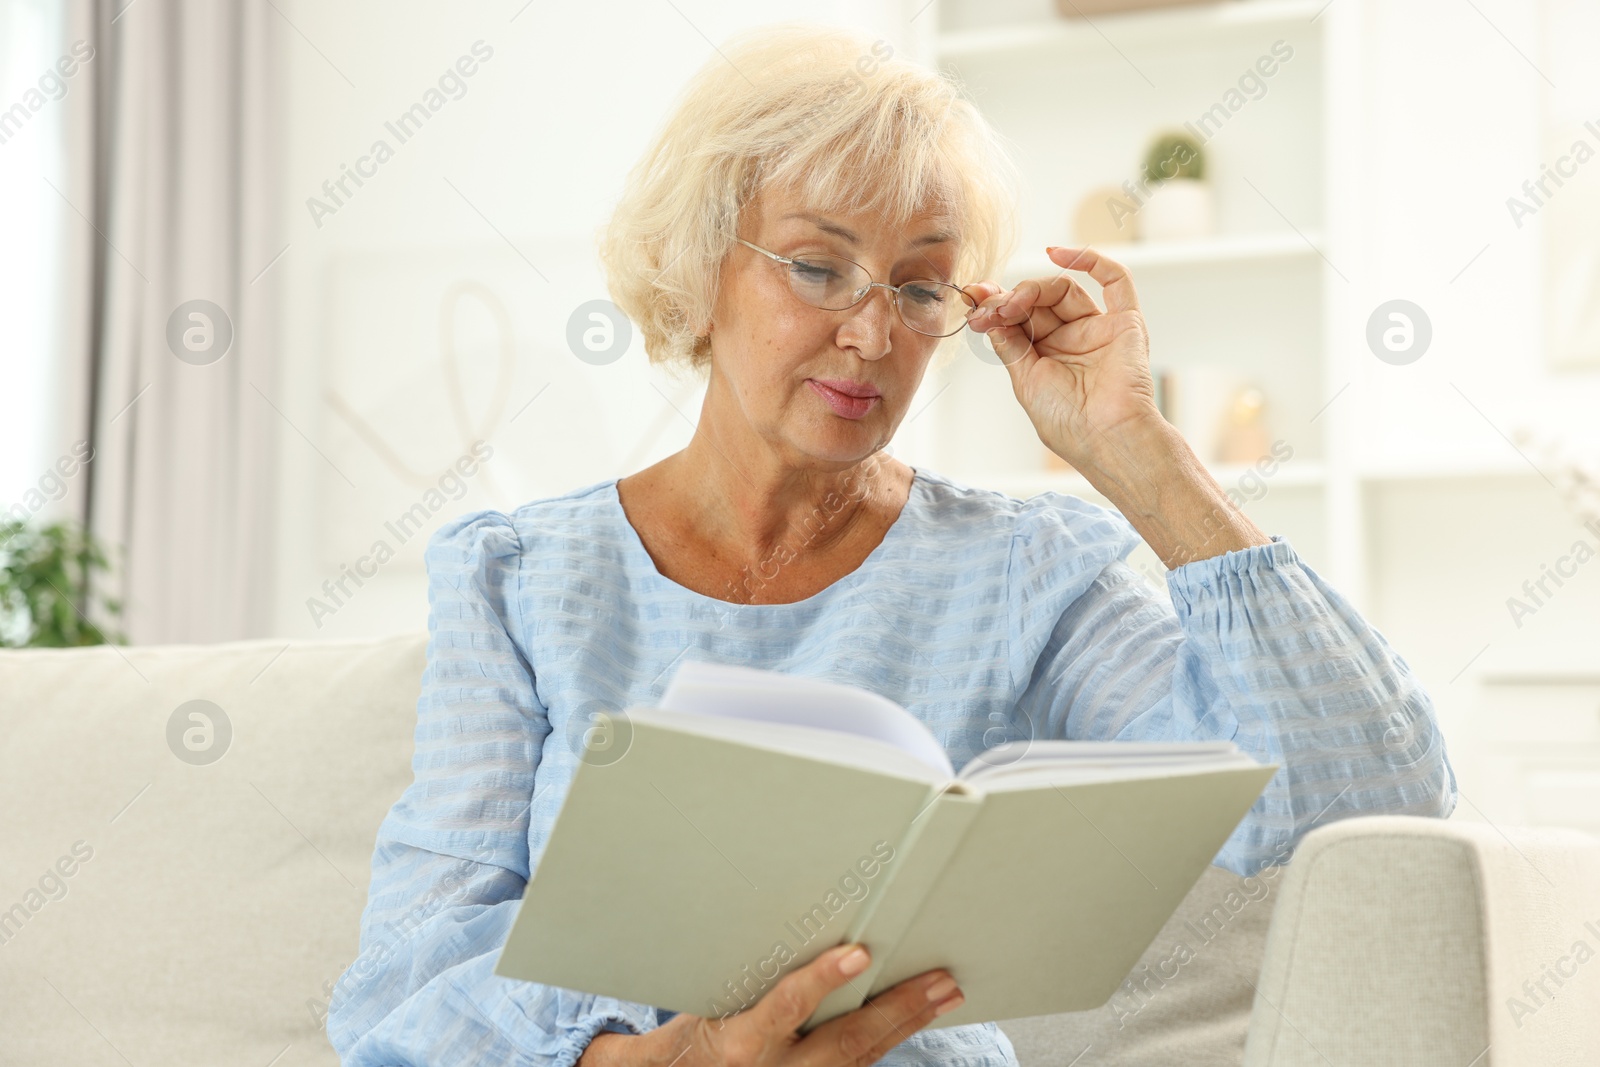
x=927, y=226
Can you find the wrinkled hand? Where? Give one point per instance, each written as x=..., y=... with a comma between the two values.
x=764, y=1035
x=1085, y=377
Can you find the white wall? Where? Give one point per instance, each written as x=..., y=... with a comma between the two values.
x=1452, y=112
x=532, y=155
x=1451, y=107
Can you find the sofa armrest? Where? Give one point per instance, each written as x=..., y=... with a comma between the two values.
x=1429, y=942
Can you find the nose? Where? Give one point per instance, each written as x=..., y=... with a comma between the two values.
x=867, y=327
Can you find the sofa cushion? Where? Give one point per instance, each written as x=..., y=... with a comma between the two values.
x=207, y=902
x=1434, y=943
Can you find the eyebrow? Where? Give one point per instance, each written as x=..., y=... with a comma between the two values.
x=827, y=225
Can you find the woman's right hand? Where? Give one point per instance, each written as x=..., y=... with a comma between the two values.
x=764, y=1035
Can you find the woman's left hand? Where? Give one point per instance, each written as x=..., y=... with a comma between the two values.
x=1085, y=379
x=1085, y=383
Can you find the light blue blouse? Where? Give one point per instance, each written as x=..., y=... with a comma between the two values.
x=988, y=617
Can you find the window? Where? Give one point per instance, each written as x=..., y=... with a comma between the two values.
x=31, y=238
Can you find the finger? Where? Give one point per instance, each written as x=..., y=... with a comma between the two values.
x=1058, y=293
x=1088, y=335
x=923, y=1018
x=895, y=1037
x=1013, y=346
x=984, y=296
x=863, y=1035
x=988, y=296
x=1115, y=282
x=981, y=291
x=794, y=999
x=1044, y=303
x=1008, y=307
x=1074, y=302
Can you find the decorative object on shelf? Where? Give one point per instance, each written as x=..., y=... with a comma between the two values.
x=1165, y=391
x=1577, y=478
x=1181, y=205
x=45, y=586
x=1077, y=9
x=1244, y=437
x=1105, y=216
x=1198, y=400
x=1055, y=464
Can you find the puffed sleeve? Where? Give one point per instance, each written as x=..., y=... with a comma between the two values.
x=1250, y=646
x=451, y=861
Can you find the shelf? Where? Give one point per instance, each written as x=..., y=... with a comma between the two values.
x=1331, y=500
x=1290, y=475
x=1445, y=469
x=1201, y=252
x=1029, y=483
x=1566, y=675
x=1129, y=29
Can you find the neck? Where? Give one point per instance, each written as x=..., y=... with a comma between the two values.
x=753, y=503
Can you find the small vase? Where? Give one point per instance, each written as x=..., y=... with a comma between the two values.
x=1179, y=209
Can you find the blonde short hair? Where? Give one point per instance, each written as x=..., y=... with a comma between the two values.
x=827, y=113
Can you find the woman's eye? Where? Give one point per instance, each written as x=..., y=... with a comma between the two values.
x=811, y=272
x=923, y=294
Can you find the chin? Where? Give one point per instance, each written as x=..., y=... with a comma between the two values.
x=846, y=445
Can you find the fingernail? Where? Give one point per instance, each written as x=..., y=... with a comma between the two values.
x=853, y=962
x=1050, y=248
x=951, y=1004
x=942, y=988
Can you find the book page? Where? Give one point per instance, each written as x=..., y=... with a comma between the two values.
x=757, y=695
x=1096, y=760
x=830, y=746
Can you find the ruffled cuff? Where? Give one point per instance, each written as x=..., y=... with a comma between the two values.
x=1233, y=571
x=604, y=1015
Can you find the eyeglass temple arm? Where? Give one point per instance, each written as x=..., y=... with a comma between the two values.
x=763, y=251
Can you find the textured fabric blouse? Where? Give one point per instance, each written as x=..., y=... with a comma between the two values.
x=989, y=618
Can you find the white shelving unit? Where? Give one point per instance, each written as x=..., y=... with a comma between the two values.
x=1079, y=101
x=1309, y=476
x=1207, y=252
x=1533, y=748
x=1426, y=533
x=1067, y=36
x=1419, y=532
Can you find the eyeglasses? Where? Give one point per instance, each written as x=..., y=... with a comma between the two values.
x=930, y=307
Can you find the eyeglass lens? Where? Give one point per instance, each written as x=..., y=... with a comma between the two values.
x=935, y=308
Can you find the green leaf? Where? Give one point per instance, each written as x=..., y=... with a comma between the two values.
x=46, y=585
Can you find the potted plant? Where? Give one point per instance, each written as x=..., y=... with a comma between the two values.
x=1181, y=206
x=45, y=586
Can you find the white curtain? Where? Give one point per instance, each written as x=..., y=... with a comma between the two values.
x=174, y=171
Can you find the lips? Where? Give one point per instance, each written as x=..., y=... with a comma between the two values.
x=848, y=386
x=845, y=404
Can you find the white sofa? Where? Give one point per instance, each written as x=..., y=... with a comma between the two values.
x=167, y=911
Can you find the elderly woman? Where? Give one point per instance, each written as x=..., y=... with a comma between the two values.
x=798, y=233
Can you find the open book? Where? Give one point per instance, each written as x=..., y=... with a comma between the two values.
x=753, y=819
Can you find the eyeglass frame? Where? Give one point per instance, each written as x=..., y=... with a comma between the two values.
x=866, y=290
